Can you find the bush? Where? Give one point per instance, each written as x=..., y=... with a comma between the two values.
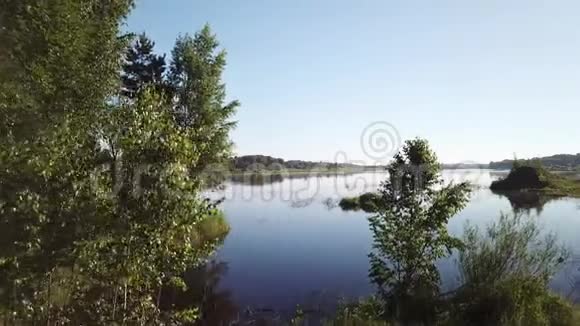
x=349, y=203
x=369, y=201
x=560, y=312
x=513, y=246
x=506, y=274
x=521, y=300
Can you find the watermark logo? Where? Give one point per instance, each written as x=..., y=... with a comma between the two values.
x=380, y=140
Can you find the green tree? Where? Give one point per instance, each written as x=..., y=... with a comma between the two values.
x=150, y=208
x=195, y=77
x=59, y=66
x=99, y=209
x=410, y=231
x=142, y=67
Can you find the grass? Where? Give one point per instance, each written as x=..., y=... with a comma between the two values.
x=211, y=228
x=563, y=186
x=559, y=184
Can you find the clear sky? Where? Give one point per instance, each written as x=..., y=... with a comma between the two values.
x=480, y=79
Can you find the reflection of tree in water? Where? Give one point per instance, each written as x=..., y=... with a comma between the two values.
x=256, y=179
x=525, y=201
x=215, y=304
x=217, y=307
x=267, y=177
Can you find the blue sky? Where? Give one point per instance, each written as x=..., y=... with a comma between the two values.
x=481, y=80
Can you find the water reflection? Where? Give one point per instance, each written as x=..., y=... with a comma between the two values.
x=278, y=254
x=215, y=304
x=526, y=201
x=259, y=179
x=256, y=179
x=301, y=203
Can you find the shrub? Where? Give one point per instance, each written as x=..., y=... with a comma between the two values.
x=369, y=201
x=513, y=246
x=349, y=203
x=520, y=300
x=506, y=274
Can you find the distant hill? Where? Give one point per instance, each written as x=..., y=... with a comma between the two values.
x=264, y=162
x=560, y=162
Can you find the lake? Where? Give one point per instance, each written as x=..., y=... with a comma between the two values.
x=291, y=244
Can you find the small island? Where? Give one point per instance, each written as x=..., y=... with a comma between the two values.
x=537, y=178
x=367, y=202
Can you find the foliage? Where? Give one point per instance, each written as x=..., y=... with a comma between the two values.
x=369, y=202
x=349, y=203
x=199, y=96
x=410, y=232
x=97, y=200
x=249, y=162
x=512, y=246
x=142, y=67
x=506, y=273
x=522, y=177
x=210, y=228
x=518, y=300
x=59, y=66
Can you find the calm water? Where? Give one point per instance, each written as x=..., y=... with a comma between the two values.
x=290, y=244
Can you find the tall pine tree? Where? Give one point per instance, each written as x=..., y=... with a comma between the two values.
x=142, y=67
